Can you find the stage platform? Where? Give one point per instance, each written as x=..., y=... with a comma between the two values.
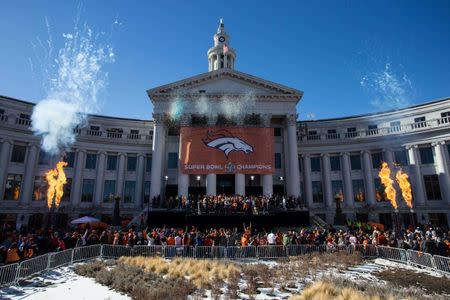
x=180, y=219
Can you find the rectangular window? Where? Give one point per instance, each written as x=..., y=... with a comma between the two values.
x=380, y=196
x=129, y=191
x=394, y=126
x=12, y=188
x=277, y=160
x=355, y=161
x=419, y=122
x=445, y=118
x=426, y=155
x=131, y=163
x=111, y=163
x=337, y=189
x=277, y=131
x=44, y=158
x=372, y=129
x=351, y=132
x=91, y=161
x=317, y=191
x=335, y=163
x=432, y=187
x=401, y=157
x=88, y=190
x=39, y=189
x=173, y=160
x=18, y=153
x=148, y=164
x=358, y=190
x=69, y=158
x=109, y=190
x=67, y=190
x=315, y=164
x=377, y=158
x=146, y=191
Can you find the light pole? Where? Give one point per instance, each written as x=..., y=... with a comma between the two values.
x=284, y=187
x=166, y=178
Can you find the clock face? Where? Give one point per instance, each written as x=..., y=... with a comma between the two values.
x=221, y=39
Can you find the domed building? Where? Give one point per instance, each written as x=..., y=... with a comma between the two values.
x=234, y=133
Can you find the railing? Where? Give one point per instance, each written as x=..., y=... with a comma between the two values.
x=14, y=273
x=134, y=136
x=373, y=132
x=114, y=135
x=23, y=121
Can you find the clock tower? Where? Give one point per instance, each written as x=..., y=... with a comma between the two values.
x=221, y=56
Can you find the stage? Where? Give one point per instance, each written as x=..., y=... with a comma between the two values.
x=180, y=219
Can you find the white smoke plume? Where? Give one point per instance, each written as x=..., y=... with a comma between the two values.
x=230, y=107
x=73, y=88
x=388, y=89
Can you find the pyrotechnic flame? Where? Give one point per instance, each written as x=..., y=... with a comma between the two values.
x=385, y=176
x=56, y=178
x=405, y=186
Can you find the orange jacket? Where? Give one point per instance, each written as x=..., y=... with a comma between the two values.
x=12, y=256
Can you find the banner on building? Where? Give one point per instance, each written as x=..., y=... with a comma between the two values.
x=226, y=150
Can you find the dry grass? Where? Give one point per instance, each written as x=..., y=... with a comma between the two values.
x=325, y=290
x=202, y=273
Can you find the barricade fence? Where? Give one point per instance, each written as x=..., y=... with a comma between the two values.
x=13, y=273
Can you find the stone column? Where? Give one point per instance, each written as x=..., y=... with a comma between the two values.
x=159, y=140
x=183, y=179
x=442, y=170
x=307, y=179
x=183, y=184
x=211, y=184
x=346, y=175
x=28, y=180
x=266, y=120
x=4, y=161
x=368, y=178
x=239, y=184
x=99, y=176
x=294, y=174
x=121, y=175
x=267, y=184
x=389, y=157
x=78, y=177
x=326, y=171
x=140, y=173
x=225, y=60
x=416, y=175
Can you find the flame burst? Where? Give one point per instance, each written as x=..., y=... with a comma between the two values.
x=56, y=178
x=405, y=186
x=385, y=176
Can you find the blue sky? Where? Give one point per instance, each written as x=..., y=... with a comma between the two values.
x=349, y=57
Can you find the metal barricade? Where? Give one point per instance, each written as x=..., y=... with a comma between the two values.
x=417, y=258
x=366, y=251
x=442, y=263
x=237, y=252
x=148, y=251
x=177, y=251
x=211, y=252
x=296, y=250
x=86, y=253
x=115, y=251
x=394, y=254
x=33, y=266
x=8, y=274
x=58, y=259
x=271, y=251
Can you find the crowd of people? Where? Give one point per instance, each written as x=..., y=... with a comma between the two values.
x=16, y=246
x=228, y=204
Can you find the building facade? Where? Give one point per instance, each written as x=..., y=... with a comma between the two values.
x=314, y=161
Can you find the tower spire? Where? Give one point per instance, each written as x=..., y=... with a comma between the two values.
x=221, y=55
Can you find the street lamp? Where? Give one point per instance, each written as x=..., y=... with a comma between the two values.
x=198, y=180
x=284, y=187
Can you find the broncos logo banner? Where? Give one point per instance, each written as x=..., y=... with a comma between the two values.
x=226, y=150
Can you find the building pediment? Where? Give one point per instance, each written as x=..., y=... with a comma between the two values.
x=224, y=82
